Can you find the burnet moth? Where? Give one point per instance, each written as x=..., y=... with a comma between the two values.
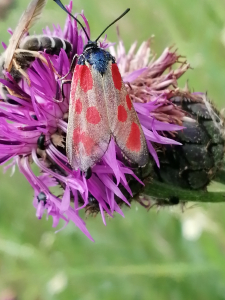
x=101, y=109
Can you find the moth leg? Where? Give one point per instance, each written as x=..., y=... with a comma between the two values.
x=62, y=92
x=64, y=82
x=129, y=85
x=71, y=66
x=88, y=173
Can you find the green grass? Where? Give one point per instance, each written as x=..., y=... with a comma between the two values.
x=144, y=255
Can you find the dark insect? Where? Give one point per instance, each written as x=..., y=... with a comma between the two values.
x=41, y=142
x=88, y=173
x=93, y=206
x=34, y=117
x=42, y=197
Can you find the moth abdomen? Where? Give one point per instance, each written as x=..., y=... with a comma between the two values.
x=50, y=44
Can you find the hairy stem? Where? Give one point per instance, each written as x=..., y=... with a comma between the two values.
x=163, y=191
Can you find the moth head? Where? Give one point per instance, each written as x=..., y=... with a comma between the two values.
x=91, y=45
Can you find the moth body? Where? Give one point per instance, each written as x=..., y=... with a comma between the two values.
x=101, y=109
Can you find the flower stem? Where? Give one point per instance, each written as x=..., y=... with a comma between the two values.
x=164, y=191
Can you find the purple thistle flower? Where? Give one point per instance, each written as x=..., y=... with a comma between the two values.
x=38, y=111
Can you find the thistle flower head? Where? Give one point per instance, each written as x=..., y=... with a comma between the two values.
x=37, y=111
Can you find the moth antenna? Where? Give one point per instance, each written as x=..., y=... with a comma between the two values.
x=123, y=14
x=63, y=8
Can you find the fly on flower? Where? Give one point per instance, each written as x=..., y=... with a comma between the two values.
x=23, y=48
x=100, y=109
x=15, y=59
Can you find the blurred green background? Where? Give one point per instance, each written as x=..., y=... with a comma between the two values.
x=146, y=255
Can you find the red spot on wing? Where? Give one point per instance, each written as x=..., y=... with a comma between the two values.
x=122, y=114
x=78, y=106
x=75, y=75
x=93, y=115
x=129, y=104
x=88, y=143
x=85, y=139
x=76, y=135
x=86, y=81
x=116, y=77
x=134, y=139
